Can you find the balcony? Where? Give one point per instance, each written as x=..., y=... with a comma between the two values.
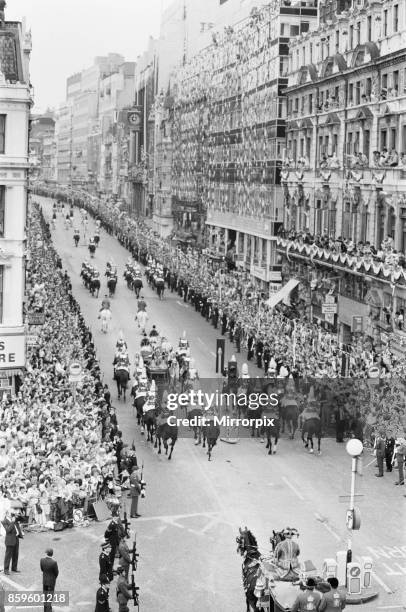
x=382, y=265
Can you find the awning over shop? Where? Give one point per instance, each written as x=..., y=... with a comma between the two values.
x=283, y=293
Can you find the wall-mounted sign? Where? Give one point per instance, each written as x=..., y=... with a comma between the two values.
x=36, y=318
x=12, y=351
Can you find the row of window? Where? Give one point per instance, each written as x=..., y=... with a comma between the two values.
x=343, y=40
x=356, y=224
x=357, y=141
x=392, y=84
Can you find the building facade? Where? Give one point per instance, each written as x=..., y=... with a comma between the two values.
x=142, y=150
x=78, y=128
x=116, y=92
x=229, y=130
x=15, y=104
x=42, y=135
x=344, y=171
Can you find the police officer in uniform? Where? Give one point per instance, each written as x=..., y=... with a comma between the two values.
x=105, y=564
x=102, y=596
x=259, y=349
x=113, y=534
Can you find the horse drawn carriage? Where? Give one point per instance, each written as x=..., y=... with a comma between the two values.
x=273, y=582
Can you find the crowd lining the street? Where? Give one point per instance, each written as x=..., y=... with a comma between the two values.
x=282, y=340
x=58, y=450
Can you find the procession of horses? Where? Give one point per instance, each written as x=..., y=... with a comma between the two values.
x=271, y=581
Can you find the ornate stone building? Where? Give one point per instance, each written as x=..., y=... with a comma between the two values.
x=344, y=168
x=15, y=103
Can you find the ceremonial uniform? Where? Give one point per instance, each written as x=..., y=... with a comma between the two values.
x=123, y=594
x=259, y=351
x=251, y=342
x=135, y=491
x=105, y=566
x=380, y=453
x=125, y=557
x=102, y=599
x=113, y=537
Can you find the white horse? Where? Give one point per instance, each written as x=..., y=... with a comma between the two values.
x=105, y=316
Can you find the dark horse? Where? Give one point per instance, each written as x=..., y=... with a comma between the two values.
x=312, y=427
x=289, y=412
x=95, y=287
x=271, y=431
x=149, y=421
x=197, y=430
x=137, y=284
x=248, y=548
x=111, y=285
x=165, y=432
x=138, y=405
x=211, y=433
x=160, y=287
x=122, y=378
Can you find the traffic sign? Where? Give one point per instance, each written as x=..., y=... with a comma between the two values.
x=353, y=519
x=75, y=372
x=75, y=368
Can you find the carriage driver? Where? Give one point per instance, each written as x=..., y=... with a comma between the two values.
x=287, y=553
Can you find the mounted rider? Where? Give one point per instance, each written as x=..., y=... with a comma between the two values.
x=287, y=552
x=121, y=362
x=311, y=411
x=121, y=344
x=141, y=388
x=150, y=403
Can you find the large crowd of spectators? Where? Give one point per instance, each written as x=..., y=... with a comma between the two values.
x=340, y=245
x=281, y=340
x=58, y=447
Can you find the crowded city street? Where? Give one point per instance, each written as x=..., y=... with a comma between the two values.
x=203, y=305
x=193, y=509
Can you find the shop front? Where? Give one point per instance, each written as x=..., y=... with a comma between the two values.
x=12, y=360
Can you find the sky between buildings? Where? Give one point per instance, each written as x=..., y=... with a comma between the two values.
x=68, y=34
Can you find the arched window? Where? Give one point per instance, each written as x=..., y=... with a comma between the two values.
x=359, y=58
x=328, y=70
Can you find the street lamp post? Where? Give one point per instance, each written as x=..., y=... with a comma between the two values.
x=354, y=448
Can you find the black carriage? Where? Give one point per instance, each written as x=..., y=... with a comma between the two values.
x=159, y=374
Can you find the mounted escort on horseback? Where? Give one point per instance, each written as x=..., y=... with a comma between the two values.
x=121, y=364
